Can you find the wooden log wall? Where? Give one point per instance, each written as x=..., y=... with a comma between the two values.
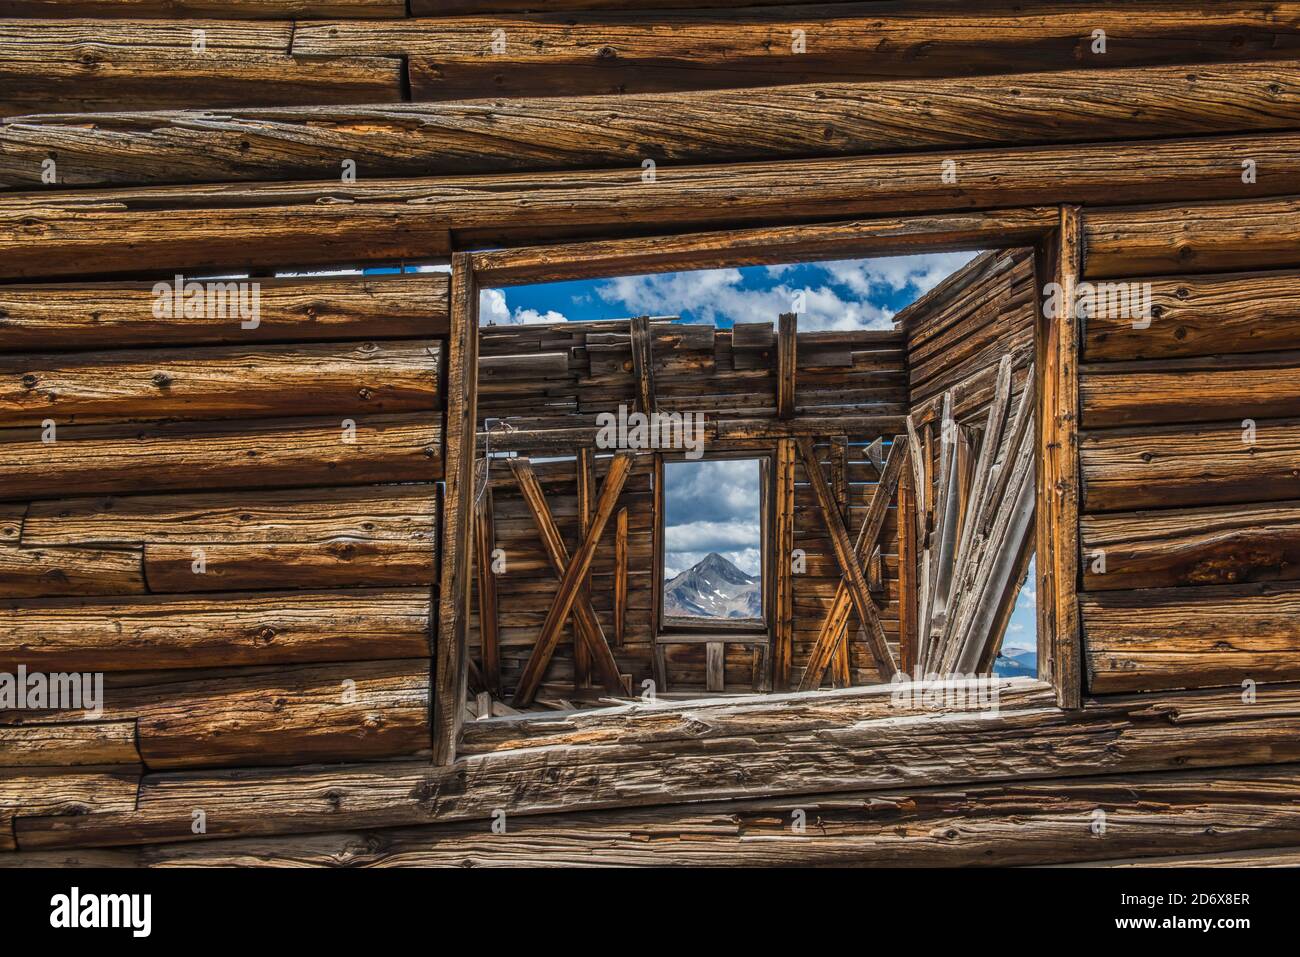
x=237, y=527
x=553, y=380
x=139, y=138
x=1190, y=461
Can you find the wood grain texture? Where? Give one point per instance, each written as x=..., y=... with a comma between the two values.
x=90, y=316
x=221, y=382
x=217, y=9
x=61, y=233
x=36, y=572
x=693, y=126
x=1191, y=637
x=68, y=745
x=205, y=455
x=244, y=628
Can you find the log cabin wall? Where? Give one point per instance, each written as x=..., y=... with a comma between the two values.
x=850, y=386
x=146, y=137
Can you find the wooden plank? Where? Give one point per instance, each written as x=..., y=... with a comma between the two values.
x=452, y=641
x=608, y=53
x=205, y=455
x=536, y=133
x=138, y=633
x=1165, y=548
x=585, y=466
x=1210, y=389
x=907, y=561
x=62, y=233
x=1145, y=639
x=1192, y=237
x=643, y=363
x=485, y=544
x=173, y=566
x=714, y=678
x=217, y=9
x=783, y=565
x=852, y=580
x=620, y=577
x=356, y=710
x=786, y=364
x=375, y=513
x=221, y=382
x=941, y=538
x=1199, y=316
x=1059, y=461
x=68, y=745
x=586, y=625
x=570, y=587
x=1189, y=465
x=37, y=572
x=87, y=65
x=90, y=316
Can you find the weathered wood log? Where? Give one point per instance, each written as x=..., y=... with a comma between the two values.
x=1199, y=316
x=36, y=572
x=367, y=513
x=1117, y=736
x=67, y=745
x=217, y=9
x=485, y=551
x=1194, y=389
x=608, y=53
x=786, y=364
x=60, y=791
x=103, y=315
x=246, y=628
x=359, y=710
x=620, y=577
x=1188, y=465
x=531, y=133
x=1191, y=637
x=49, y=234
x=205, y=455
x=222, y=382
x=1163, y=548
x=172, y=566
x=1010, y=823
x=783, y=533
x=56, y=65
x=1192, y=237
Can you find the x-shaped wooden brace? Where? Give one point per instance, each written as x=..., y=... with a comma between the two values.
x=853, y=592
x=572, y=596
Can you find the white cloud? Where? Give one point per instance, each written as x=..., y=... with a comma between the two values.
x=493, y=310
x=921, y=272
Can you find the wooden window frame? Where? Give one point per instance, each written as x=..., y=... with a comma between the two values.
x=1053, y=232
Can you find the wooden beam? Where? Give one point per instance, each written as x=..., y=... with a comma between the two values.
x=643, y=363
x=620, y=577
x=571, y=583
x=787, y=342
x=907, y=559
x=484, y=546
x=1059, y=467
x=452, y=645
x=853, y=581
x=585, y=468
x=586, y=625
x=782, y=565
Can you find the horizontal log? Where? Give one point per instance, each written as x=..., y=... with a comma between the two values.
x=117, y=315
x=1199, y=316
x=1015, y=823
x=60, y=791
x=1191, y=238
x=170, y=227
x=1191, y=637
x=170, y=567
x=1116, y=736
x=56, y=65
x=217, y=9
x=356, y=710
x=245, y=628
x=531, y=133
x=367, y=513
x=67, y=745
x=221, y=382
x=72, y=570
x=189, y=455
x=1195, y=389
x=1202, y=546
x=1173, y=466
x=631, y=52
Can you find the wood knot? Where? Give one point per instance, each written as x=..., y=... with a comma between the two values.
x=162, y=380
x=265, y=635
x=29, y=381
